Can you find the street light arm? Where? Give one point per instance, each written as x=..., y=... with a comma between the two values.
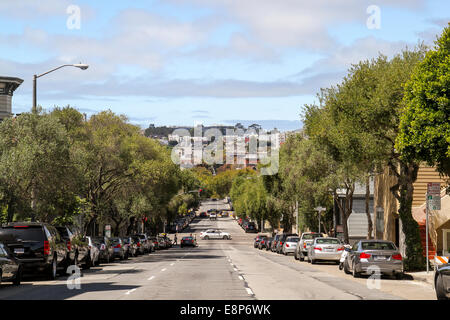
x=65, y=65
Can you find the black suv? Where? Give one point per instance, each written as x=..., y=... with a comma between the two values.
x=37, y=247
x=77, y=247
x=250, y=227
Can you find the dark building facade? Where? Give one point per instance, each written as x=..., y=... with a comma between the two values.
x=7, y=87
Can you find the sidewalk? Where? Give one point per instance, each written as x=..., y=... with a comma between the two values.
x=422, y=276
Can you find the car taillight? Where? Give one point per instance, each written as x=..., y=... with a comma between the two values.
x=46, y=248
x=318, y=248
x=340, y=249
x=69, y=245
x=20, y=227
x=287, y=246
x=364, y=255
x=103, y=247
x=304, y=245
x=118, y=246
x=139, y=244
x=262, y=241
x=281, y=243
x=397, y=257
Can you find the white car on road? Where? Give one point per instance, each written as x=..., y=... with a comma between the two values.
x=214, y=234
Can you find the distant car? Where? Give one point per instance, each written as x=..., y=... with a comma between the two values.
x=162, y=243
x=442, y=282
x=203, y=215
x=289, y=245
x=155, y=243
x=214, y=234
x=38, y=247
x=213, y=215
x=10, y=267
x=251, y=228
x=225, y=214
x=267, y=243
x=130, y=246
x=119, y=248
x=263, y=243
x=145, y=243
x=282, y=240
x=95, y=252
x=374, y=256
x=273, y=245
x=325, y=249
x=258, y=239
x=188, y=241
x=303, y=245
x=106, y=251
x=139, y=245
x=77, y=248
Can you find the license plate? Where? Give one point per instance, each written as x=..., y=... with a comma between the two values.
x=329, y=250
x=19, y=251
x=379, y=258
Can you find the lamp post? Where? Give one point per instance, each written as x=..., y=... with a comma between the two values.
x=34, y=110
x=35, y=77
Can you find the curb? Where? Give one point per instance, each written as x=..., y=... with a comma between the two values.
x=428, y=279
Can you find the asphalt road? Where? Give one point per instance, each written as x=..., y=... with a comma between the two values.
x=216, y=270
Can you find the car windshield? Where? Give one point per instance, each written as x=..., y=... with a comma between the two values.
x=293, y=239
x=311, y=236
x=377, y=246
x=187, y=238
x=25, y=234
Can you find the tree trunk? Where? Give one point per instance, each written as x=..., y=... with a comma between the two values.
x=369, y=218
x=414, y=259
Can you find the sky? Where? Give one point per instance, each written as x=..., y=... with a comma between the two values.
x=184, y=62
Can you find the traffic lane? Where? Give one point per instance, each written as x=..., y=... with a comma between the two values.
x=202, y=273
x=104, y=282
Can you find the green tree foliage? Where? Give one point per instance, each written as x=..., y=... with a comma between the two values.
x=425, y=122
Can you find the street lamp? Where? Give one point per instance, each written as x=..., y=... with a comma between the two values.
x=35, y=77
x=320, y=209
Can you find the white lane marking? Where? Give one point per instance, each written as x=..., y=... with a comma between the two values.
x=151, y=278
x=235, y=269
x=241, y=278
x=163, y=269
x=130, y=291
x=249, y=291
x=172, y=263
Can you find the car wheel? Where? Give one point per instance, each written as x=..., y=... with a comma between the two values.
x=399, y=276
x=206, y=238
x=355, y=274
x=440, y=290
x=346, y=267
x=313, y=261
x=52, y=270
x=225, y=238
x=88, y=263
x=18, y=277
x=295, y=255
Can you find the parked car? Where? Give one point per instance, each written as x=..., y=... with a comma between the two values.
x=258, y=240
x=138, y=241
x=289, y=245
x=77, y=248
x=145, y=243
x=38, y=247
x=106, y=251
x=213, y=215
x=273, y=245
x=303, y=245
x=162, y=243
x=214, y=234
x=325, y=249
x=282, y=240
x=264, y=243
x=268, y=243
x=94, y=251
x=118, y=246
x=225, y=214
x=374, y=256
x=203, y=215
x=155, y=242
x=442, y=282
x=130, y=246
x=251, y=228
x=188, y=241
x=10, y=267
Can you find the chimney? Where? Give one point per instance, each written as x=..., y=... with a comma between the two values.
x=7, y=87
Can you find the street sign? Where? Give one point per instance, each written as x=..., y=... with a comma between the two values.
x=434, y=195
x=108, y=231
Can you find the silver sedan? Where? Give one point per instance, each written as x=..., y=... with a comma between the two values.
x=290, y=245
x=374, y=257
x=325, y=249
